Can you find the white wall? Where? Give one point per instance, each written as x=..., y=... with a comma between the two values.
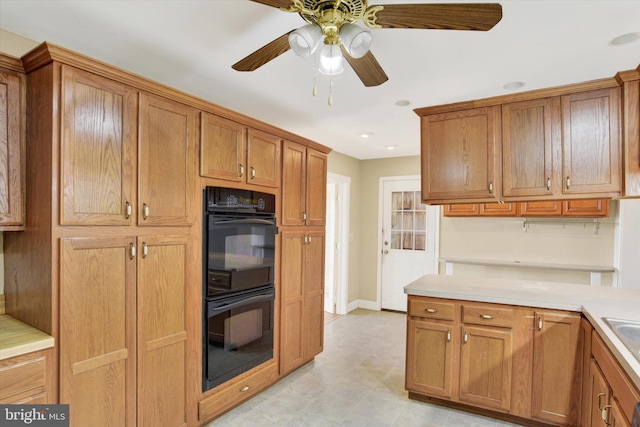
x=628, y=255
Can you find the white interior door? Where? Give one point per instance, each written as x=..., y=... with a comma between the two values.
x=409, y=245
x=330, y=253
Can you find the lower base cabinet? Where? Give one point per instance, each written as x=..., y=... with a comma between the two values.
x=123, y=330
x=23, y=379
x=517, y=363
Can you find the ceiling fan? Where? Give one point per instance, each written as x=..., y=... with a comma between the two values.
x=333, y=23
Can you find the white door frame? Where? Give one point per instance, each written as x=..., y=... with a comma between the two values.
x=341, y=258
x=436, y=249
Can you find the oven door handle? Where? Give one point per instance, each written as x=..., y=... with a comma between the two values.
x=244, y=301
x=245, y=221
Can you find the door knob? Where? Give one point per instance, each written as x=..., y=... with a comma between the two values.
x=385, y=252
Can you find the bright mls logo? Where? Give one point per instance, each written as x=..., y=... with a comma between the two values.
x=34, y=415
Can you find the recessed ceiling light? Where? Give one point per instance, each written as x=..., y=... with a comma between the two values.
x=403, y=103
x=391, y=147
x=625, y=38
x=513, y=85
x=365, y=134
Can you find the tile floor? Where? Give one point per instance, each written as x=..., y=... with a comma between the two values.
x=358, y=380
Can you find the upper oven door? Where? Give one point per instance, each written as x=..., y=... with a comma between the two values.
x=240, y=252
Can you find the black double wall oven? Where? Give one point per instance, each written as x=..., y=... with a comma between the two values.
x=238, y=261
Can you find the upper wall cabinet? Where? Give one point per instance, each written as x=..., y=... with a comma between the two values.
x=233, y=152
x=591, y=142
x=551, y=144
x=11, y=150
x=98, y=150
x=529, y=165
x=460, y=155
x=100, y=166
x=304, y=184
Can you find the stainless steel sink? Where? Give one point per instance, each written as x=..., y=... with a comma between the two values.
x=629, y=333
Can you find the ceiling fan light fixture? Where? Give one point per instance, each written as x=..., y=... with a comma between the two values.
x=356, y=40
x=330, y=60
x=305, y=40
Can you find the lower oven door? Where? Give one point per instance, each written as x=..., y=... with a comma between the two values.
x=238, y=334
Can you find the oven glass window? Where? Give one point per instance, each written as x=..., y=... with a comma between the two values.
x=240, y=338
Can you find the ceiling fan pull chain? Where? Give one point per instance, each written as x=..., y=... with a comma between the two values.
x=330, y=100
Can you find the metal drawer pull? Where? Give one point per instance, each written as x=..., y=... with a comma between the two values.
x=145, y=250
x=241, y=170
x=548, y=184
x=430, y=310
x=491, y=187
x=128, y=210
x=486, y=316
x=145, y=211
x=466, y=337
x=539, y=323
x=245, y=388
x=600, y=396
x=448, y=336
x=605, y=415
x=568, y=183
x=253, y=172
x=132, y=250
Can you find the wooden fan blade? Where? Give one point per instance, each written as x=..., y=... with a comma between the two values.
x=275, y=3
x=454, y=16
x=367, y=68
x=265, y=54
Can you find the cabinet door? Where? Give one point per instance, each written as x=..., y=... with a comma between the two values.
x=223, y=146
x=591, y=142
x=97, y=150
x=460, y=155
x=528, y=149
x=162, y=336
x=291, y=301
x=557, y=368
x=97, y=339
x=541, y=208
x=599, y=395
x=11, y=151
x=263, y=158
x=316, y=188
x=498, y=209
x=166, y=162
x=485, y=367
x=586, y=208
x=294, y=185
x=616, y=415
x=467, y=209
x=313, y=294
x=429, y=358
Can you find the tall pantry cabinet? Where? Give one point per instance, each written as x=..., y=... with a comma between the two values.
x=106, y=250
x=304, y=178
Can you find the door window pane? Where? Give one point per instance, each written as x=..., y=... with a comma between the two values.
x=408, y=221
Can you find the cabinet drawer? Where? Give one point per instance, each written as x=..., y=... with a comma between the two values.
x=431, y=308
x=237, y=391
x=489, y=315
x=21, y=377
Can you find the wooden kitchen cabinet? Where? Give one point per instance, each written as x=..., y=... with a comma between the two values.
x=304, y=185
x=557, y=367
x=302, y=302
x=530, y=158
x=460, y=155
x=97, y=150
x=234, y=152
x=12, y=145
x=591, y=208
x=100, y=163
x=126, y=298
x=166, y=162
x=23, y=379
x=591, y=142
x=611, y=394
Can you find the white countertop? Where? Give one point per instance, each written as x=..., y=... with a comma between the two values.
x=593, y=301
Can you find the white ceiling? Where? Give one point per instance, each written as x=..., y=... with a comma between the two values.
x=191, y=45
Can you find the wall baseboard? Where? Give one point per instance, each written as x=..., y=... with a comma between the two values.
x=361, y=303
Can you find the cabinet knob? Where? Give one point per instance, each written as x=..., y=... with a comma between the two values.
x=245, y=388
